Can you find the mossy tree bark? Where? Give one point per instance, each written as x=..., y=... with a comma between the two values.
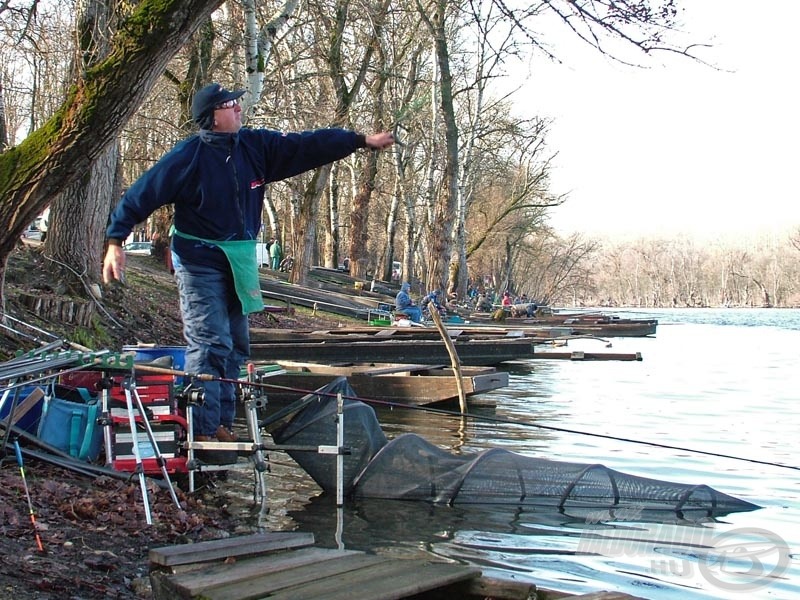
x=97, y=106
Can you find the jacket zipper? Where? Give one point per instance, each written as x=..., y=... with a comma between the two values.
x=236, y=191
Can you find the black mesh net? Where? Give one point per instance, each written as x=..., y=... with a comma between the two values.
x=315, y=425
x=410, y=468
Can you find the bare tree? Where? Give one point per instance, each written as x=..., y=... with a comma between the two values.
x=346, y=82
x=359, y=215
x=435, y=16
x=794, y=238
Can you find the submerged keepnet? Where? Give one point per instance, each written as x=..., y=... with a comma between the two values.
x=410, y=468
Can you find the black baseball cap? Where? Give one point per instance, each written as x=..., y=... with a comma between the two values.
x=208, y=97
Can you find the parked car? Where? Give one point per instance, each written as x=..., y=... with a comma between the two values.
x=32, y=233
x=143, y=248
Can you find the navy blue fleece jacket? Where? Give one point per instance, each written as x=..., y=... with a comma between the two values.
x=217, y=182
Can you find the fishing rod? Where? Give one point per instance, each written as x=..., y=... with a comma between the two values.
x=52, y=366
x=466, y=415
x=38, y=340
x=28, y=496
x=57, y=457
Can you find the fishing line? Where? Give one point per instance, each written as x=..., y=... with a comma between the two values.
x=453, y=413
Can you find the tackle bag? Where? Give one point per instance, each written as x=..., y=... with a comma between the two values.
x=72, y=427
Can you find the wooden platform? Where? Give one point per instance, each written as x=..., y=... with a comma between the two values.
x=286, y=566
x=476, y=352
x=580, y=355
x=407, y=384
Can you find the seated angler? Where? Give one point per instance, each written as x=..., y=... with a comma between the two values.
x=404, y=304
x=432, y=301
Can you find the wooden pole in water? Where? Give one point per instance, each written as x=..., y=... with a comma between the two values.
x=454, y=360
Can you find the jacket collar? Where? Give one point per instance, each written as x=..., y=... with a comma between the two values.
x=220, y=140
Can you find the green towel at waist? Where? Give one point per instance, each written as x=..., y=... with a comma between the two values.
x=241, y=255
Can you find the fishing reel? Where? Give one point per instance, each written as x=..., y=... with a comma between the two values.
x=191, y=395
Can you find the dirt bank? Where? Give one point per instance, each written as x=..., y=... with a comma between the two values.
x=93, y=530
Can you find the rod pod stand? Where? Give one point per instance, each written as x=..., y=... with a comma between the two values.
x=192, y=397
x=131, y=396
x=136, y=454
x=260, y=465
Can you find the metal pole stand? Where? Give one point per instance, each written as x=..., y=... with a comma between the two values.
x=131, y=395
x=340, y=471
x=136, y=454
x=255, y=446
x=253, y=402
x=103, y=386
x=194, y=397
x=258, y=456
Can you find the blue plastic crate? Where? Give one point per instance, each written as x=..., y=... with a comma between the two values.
x=30, y=420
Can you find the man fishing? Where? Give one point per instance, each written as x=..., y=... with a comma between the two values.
x=216, y=181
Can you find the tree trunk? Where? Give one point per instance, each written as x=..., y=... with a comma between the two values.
x=96, y=109
x=332, y=238
x=3, y=129
x=79, y=215
x=359, y=218
x=448, y=199
x=391, y=217
x=307, y=225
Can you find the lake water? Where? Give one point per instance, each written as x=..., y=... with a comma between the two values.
x=711, y=383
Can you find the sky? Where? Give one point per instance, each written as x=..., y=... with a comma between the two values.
x=678, y=147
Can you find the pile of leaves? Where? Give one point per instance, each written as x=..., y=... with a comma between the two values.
x=93, y=532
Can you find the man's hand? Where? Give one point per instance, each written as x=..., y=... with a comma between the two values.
x=114, y=264
x=379, y=141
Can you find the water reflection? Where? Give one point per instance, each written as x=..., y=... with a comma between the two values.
x=571, y=549
x=373, y=521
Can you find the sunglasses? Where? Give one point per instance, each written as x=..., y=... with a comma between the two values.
x=227, y=104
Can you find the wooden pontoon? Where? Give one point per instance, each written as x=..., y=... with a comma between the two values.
x=415, y=384
x=471, y=352
x=287, y=566
x=579, y=324
x=353, y=303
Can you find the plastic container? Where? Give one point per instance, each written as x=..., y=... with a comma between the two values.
x=28, y=413
x=146, y=354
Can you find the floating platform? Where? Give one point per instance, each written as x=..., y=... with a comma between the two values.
x=287, y=566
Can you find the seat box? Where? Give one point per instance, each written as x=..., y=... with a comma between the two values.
x=166, y=436
x=156, y=391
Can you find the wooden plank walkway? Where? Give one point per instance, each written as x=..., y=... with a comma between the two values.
x=287, y=566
